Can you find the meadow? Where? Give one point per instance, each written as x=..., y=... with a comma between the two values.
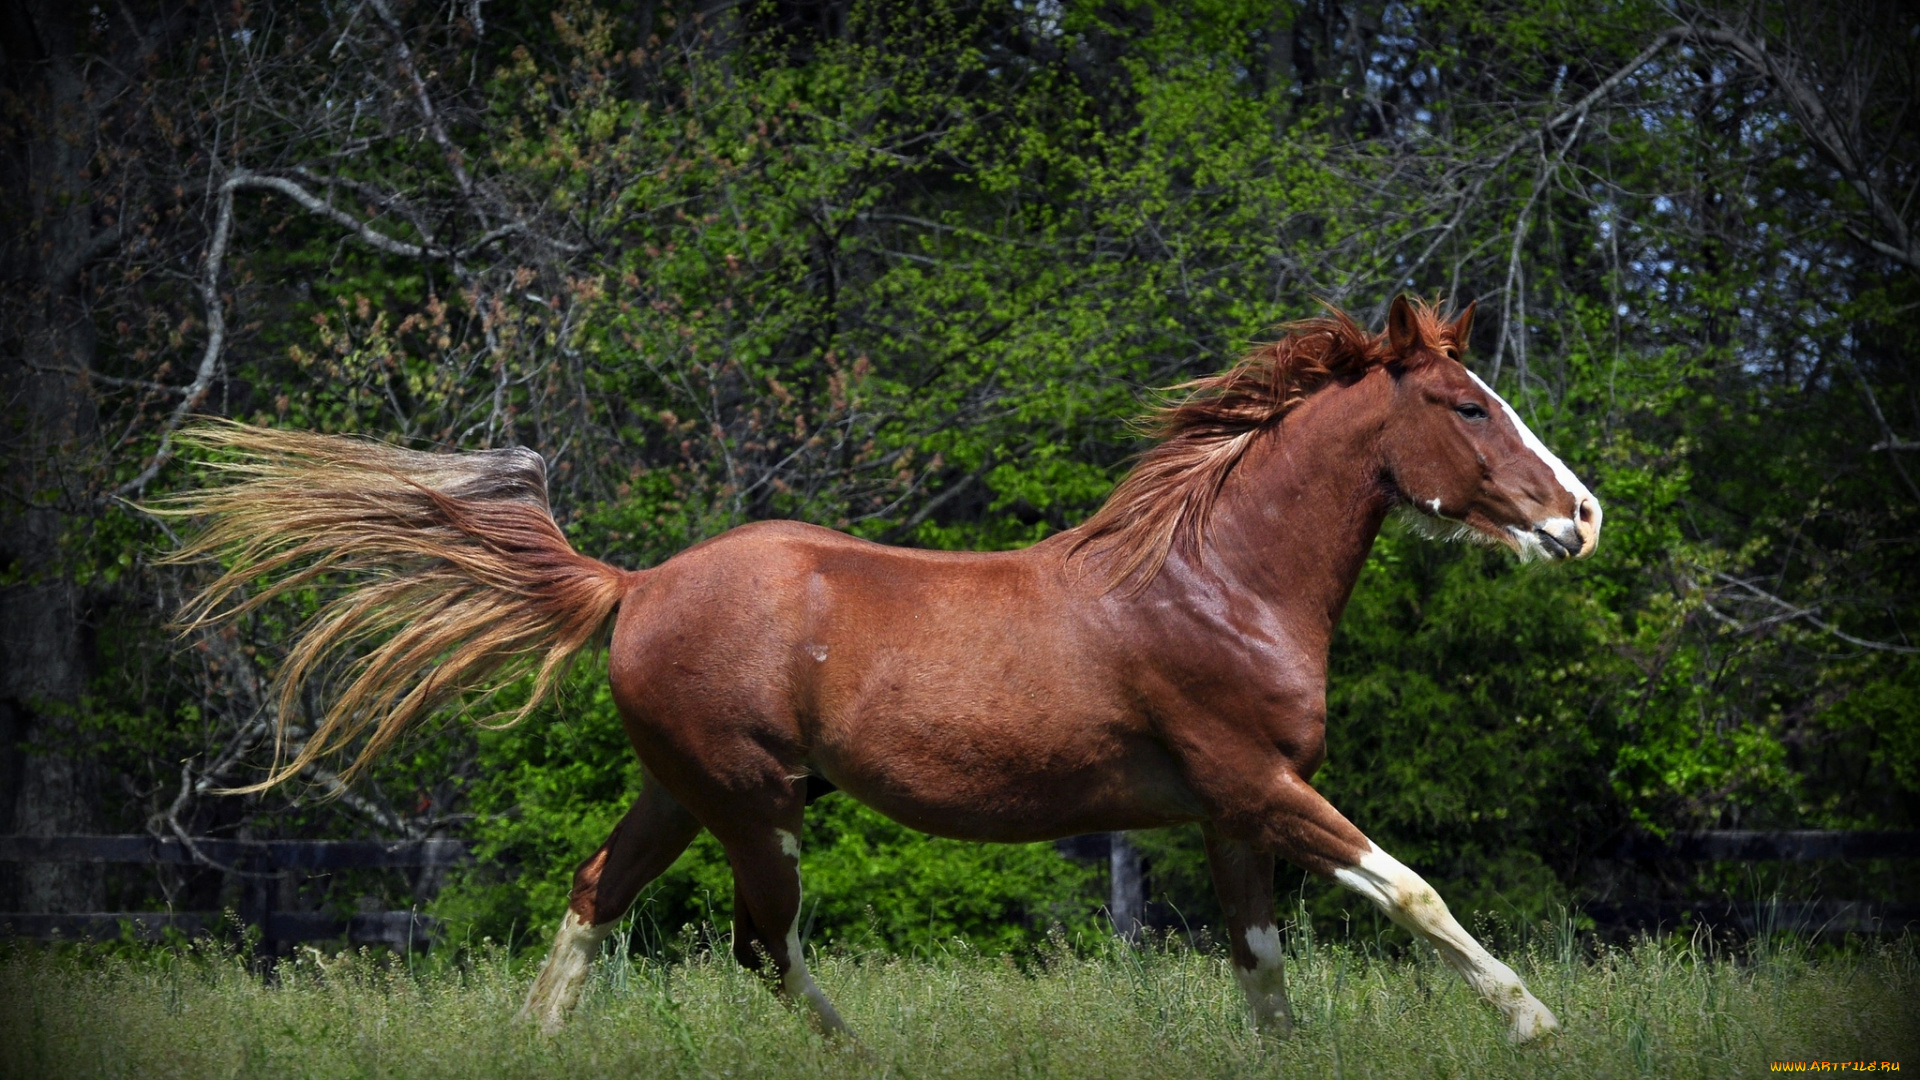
x=1669, y=1008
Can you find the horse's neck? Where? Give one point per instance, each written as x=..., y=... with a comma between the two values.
x=1297, y=516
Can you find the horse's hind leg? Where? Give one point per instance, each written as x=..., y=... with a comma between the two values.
x=645, y=843
x=766, y=903
x=1243, y=877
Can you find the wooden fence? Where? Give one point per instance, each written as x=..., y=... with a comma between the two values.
x=264, y=862
x=1127, y=900
x=1760, y=916
x=1745, y=845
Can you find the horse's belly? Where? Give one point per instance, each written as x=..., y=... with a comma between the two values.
x=1001, y=780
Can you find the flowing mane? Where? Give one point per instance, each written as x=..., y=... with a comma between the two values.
x=1208, y=424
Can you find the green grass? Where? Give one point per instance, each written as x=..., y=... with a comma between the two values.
x=1655, y=1009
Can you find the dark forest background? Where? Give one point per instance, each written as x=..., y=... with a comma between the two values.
x=907, y=270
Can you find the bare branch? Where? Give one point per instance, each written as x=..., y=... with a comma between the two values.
x=1889, y=441
x=455, y=160
x=259, y=706
x=1810, y=109
x=195, y=391
x=1661, y=41
x=1577, y=111
x=360, y=229
x=171, y=820
x=1795, y=611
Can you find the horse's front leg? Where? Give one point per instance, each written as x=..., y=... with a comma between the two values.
x=1301, y=825
x=1243, y=877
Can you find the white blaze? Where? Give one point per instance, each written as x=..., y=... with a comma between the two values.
x=1560, y=471
x=1572, y=484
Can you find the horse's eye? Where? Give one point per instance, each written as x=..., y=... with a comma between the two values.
x=1470, y=410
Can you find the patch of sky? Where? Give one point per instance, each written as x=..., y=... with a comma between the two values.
x=1042, y=17
x=1602, y=212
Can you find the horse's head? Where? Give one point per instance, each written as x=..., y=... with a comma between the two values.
x=1459, y=454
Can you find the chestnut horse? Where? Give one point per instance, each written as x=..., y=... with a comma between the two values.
x=1165, y=662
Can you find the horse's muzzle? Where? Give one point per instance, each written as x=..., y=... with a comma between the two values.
x=1572, y=539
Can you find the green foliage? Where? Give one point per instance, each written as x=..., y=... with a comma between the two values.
x=874, y=884
x=1464, y=719
x=911, y=278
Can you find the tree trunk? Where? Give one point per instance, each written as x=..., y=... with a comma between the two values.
x=48, y=784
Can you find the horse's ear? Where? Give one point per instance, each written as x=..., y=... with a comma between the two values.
x=1462, y=329
x=1403, y=330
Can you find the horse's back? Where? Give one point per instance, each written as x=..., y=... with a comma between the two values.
x=778, y=610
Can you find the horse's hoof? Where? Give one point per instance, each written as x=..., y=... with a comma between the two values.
x=1276, y=1028
x=542, y=1015
x=1533, y=1025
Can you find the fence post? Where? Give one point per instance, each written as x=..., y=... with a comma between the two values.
x=259, y=892
x=1126, y=893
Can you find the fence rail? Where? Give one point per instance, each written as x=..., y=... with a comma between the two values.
x=400, y=930
x=265, y=858
x=1749, y=845
x=1798, y=917
x=404, y=929
x=1759, y=845
x=260, y=855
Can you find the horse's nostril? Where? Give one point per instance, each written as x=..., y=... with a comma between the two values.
x=1586, y=526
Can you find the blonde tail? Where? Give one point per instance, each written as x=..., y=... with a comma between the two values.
x=447, y=568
